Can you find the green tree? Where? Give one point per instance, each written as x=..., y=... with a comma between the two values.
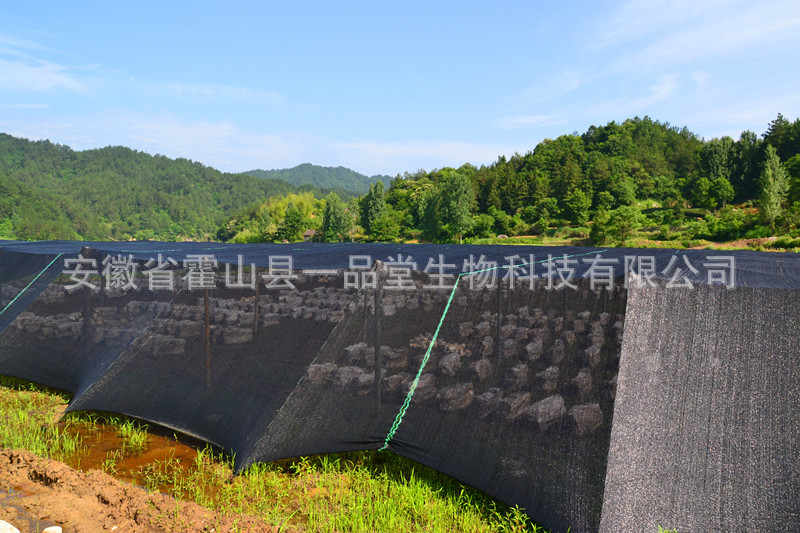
x=335, y=220
x=616, y=225
x=577, y=205
x=455, y=204
x=372, y=206
x=293, y=224
x=386, y=228
x=774, y=187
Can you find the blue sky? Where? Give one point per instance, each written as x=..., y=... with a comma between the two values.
x=386, y=89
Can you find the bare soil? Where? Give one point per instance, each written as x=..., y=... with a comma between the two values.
x=34, y=490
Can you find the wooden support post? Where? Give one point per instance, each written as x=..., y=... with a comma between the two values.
x=377, y=340
x=497, y=350
x=255, y=304
x=87, y=312
x=208, y=339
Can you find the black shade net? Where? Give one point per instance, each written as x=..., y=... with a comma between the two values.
x=498, y=365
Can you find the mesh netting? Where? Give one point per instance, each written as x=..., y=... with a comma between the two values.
x=507, y=384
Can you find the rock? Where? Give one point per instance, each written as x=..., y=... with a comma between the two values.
x=587, y=418
x=365, y=381
x=488, y=402
x=450, y=364
x=483, y=329
x=426, y=387
x=541, y=333
x=66, y=329
x=522, y=333
x=320, y=374
x=597, y=340
x=510, y=348
x=547, y=411
x=394, y=359
x=269, y=319
x=346, y=375
x=583, y=381
x=568, y=337
x=514, y=405
x=237, y=335
x=164, y=346
x=397, y=382
x=52, y=529
x=355, y=353
x=557, y=352
x=550, y=378
x=592, y=355
x=487, y=346
x=465, y=329
x=456, y=397
x=482, y=368
x=5, y=527
x=534, y=350
x=517, y=377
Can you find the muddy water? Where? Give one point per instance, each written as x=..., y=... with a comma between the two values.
x=102, y=442
x=13, y=512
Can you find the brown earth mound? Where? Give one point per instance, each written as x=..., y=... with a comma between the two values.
x=32, y=488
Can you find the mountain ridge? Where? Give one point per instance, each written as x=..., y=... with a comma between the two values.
x=323, y=177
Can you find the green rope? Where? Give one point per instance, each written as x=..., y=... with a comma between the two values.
x=29, y=284
x=407, y=402
x=414, y=383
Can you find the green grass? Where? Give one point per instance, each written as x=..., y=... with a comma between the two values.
x=360, y=491
x=27, y=416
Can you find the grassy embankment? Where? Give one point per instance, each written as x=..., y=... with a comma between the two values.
x=367, y=491
x=734, y=228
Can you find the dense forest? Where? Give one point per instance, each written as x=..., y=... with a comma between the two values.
x=49, y=191
x=338, y=179
x=601, y=186
x=639, y=182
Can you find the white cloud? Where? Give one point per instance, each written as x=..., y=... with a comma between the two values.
x=37, y=76
x=20, y=69
x=663, y=89
x=672, y=33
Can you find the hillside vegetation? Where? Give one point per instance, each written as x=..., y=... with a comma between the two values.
x=339, y=179
x=49, y=191
x=640, y=182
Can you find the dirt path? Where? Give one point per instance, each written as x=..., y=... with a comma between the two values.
x=35, y=489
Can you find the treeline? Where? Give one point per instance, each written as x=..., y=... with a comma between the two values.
x=608, y=181
x=49, y=191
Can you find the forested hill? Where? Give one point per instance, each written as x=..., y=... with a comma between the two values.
x=49, y=191
x=334, y=178
x=599, y=186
